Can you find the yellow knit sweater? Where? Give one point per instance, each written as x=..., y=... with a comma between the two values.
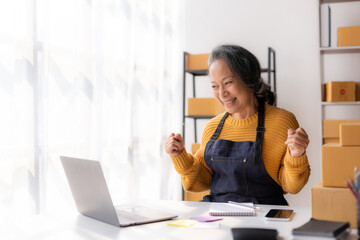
x=290, y=173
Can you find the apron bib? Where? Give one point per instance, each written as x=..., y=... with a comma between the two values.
x=239, y=172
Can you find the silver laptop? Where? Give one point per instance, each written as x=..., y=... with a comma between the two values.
x=92, y=197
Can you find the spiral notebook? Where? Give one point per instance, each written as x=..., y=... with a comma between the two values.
x=227, y=209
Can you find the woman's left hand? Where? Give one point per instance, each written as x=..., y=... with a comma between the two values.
x=297, y=142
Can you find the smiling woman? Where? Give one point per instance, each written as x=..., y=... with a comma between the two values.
x=241, y=69
x=254, y=152
x=237, y=99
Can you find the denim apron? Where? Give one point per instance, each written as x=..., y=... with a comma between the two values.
x=238, y=169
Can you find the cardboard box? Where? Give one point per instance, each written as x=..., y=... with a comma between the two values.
x=204, y=107
x=357, y=91
x=340, y=91
x=197, y=61
x=338, y=164
x=331, y=130
x=331, y=140
x=349, y=36
x=350, y=134
x=333, y=204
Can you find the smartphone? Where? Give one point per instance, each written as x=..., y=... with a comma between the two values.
x=279, y=214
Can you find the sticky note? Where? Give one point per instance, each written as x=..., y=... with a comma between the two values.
x=182, y=223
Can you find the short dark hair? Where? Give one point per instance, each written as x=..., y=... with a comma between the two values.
x=245, y=65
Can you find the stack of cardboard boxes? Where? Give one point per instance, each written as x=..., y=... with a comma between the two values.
x=331, y=199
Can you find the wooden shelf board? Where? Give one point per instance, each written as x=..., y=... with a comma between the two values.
x=200, y=117
x=198, y=72
x=337, y=1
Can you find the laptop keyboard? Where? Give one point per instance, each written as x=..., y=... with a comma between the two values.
x=130, y=215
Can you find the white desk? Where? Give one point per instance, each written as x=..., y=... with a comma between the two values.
x=75, y=226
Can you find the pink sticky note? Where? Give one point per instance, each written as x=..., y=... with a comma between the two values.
x=206, y=218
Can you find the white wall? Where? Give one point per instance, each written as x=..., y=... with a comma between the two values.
x=288, y=26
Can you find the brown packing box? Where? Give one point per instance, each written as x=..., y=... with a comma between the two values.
x=338, y=164
x=331, y=140
x=331, y=130
x=333, y=204
x=204, y=107
x=197, y=61
x=349, y=36
x=350, y=134
x=357, y=91
x=340, y=91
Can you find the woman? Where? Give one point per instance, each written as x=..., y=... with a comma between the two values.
x=254, y=152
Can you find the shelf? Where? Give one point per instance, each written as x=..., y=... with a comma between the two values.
x=352, y=49
x=266, y=70
x=337, y=1
x=200, y=117
x=205, y=72
x=198, y=72
x=339, y=103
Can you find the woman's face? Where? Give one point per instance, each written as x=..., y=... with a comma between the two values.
x=237, y=99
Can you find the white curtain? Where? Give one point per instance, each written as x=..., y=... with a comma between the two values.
x=98, y=79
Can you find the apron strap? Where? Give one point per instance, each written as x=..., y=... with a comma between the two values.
x=219, y=127
x=259, y=132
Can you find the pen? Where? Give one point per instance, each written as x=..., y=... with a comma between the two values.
x=352, y=184
x=353, y=191
x=243, y=205
x=356, y=177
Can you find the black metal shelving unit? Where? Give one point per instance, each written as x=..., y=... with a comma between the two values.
x=271, y=80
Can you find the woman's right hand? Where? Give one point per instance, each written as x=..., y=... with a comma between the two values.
x=174, y=144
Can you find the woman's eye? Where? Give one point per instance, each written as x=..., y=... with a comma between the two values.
x=228, y=82
x=214, y=87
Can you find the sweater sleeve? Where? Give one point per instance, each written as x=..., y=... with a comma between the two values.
x=196, y=176
x=294, y=171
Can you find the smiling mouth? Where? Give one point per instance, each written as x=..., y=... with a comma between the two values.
x=229, y=102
